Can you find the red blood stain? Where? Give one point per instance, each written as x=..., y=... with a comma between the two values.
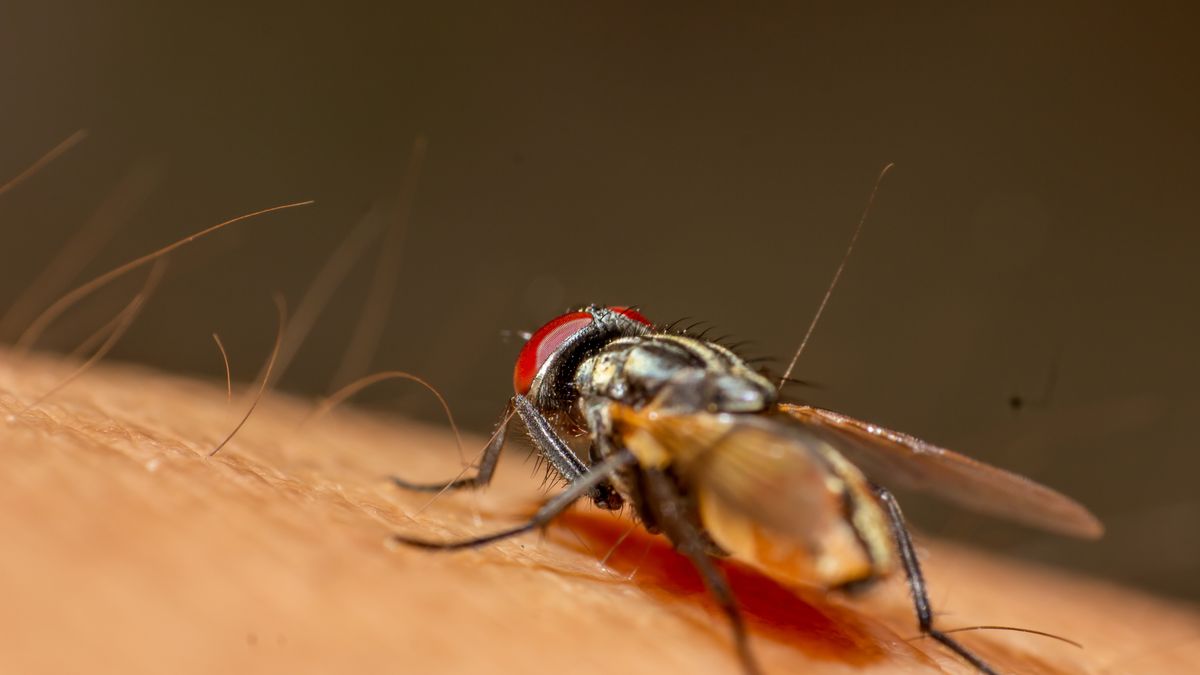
x=803, y=618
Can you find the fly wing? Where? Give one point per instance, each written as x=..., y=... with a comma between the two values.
x=773, y=494
x=773, y=479
x=893, y=458
x=741, y=464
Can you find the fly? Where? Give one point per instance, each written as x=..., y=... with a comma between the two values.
x=702, y=448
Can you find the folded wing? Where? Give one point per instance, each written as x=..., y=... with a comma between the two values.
x=892, y=458
x=771, y=493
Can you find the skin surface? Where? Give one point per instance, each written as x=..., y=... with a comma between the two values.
x=126, y=550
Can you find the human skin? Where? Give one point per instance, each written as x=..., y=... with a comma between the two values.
x=128, y=550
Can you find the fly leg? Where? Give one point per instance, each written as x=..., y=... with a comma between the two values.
x=487, y=464
x=671, y=512
x=548, y=444
x=550, y=510
x=916, y=583
x=610, y=496
x=559, y=455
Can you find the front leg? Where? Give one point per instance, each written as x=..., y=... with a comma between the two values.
x=487, y=464
x=586, y=482
x=560, y=456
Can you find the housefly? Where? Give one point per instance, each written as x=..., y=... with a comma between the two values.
x=701, y=447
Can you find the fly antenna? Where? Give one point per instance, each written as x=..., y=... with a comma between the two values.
x=51, y=155
x=509, y=335
x=1014, y=629
x=836, y=275
x=281, y=309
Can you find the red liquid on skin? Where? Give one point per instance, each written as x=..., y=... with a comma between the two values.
x=802, y=618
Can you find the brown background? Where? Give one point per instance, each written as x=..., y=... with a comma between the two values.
x=1039, y=227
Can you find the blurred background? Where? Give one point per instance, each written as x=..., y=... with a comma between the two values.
x=1024, y=291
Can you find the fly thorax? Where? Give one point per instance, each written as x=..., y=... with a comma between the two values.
x=682, y=373
x=596, y=375
x=715, y=392
x=741, y=392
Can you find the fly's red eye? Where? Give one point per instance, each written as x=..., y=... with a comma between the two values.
x=543, y=344
x=632, y=314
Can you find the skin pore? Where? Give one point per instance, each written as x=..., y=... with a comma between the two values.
x=128, y=550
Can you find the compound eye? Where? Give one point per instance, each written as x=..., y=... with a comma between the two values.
x=632, y=314
x=543, y=344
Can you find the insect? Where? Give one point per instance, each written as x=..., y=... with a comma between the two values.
x=701, y=447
